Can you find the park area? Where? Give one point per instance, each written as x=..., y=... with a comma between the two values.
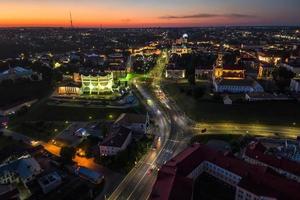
x=208, y=108
x=43, y=121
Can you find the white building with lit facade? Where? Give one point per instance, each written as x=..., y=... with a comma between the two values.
x=96, y=84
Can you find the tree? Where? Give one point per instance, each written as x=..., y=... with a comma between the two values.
x=67, y=153
x=282, y=77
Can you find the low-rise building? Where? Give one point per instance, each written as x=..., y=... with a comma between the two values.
x=176, y=179
x=50, y=182
x=295, y=85
x=175, y=72
x=90, y=175
x=135, y=122
x=204, y=72
x=17, y=73
x=25, y=168
x=117, y=141
x=237, y=86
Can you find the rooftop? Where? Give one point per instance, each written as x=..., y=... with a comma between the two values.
x=174, y=174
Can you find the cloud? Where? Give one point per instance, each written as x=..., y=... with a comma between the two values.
x=206, y=15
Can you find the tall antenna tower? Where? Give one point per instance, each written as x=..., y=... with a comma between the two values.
x=71, y=20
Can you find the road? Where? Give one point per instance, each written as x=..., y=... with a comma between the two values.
x=252, y=129
x=172, y=131
x=139, y=181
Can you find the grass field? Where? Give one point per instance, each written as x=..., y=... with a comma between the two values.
x=39, y=130
x=44, y=121
x=46, y=112
x=209, y=110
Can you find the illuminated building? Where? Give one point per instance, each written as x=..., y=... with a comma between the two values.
x=265, y=71
x=96, y=84
x=174, y=72
x=229, y=72
x=69, y=89
x=180, y=47
x=268, y=58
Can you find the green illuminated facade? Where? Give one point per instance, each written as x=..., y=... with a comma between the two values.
x=97, y=84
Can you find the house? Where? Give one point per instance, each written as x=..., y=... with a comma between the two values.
x=295, y=85
x=25, y=168
x=175, y=72
x=50, y=182
x=237, y=86
x=135, y=122
x=176, y=179
x=90, y=175
x=117, y=141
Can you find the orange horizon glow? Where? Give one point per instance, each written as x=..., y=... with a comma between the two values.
x=128, y=13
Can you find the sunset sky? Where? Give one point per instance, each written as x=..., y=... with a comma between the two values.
x=144, y=13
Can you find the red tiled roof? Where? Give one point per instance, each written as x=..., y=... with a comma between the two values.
x=172, y=181
x=256, y=151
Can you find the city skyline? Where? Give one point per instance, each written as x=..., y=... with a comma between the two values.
x=129, y=13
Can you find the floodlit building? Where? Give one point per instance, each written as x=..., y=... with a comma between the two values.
x=176, y=179
x=175, y=72
x=265, y=71
x=96, y=84
x=229, y=72
x=268, y=58
x=180, y=46
x=69, y=89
